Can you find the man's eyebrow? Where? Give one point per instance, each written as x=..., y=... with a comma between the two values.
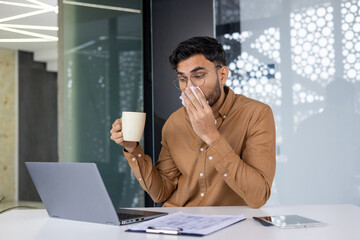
x=197, y=69
x=192, y=71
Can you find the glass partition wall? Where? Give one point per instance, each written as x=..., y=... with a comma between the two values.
x=102, y=76
x=303, y=59
x=300, y=57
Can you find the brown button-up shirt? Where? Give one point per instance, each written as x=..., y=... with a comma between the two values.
x=238, y=169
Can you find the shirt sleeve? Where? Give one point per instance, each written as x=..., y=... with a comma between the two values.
x=251, y=175
x=158, y=181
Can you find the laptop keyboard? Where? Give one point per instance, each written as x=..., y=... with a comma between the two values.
x=123, y=216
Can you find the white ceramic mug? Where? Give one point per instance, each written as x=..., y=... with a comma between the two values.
x=133, y=124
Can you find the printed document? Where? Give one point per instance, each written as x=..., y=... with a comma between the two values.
x=185, y=223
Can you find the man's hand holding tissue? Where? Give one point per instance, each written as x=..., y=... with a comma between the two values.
x=117, y=136
x=201, y=117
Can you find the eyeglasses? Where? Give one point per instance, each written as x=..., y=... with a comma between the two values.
x=198, y=79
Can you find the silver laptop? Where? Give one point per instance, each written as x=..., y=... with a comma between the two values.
x=76, y=191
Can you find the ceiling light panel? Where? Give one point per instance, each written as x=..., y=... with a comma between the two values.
x=26, y=18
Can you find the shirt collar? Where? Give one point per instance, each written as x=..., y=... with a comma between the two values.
x=228, y=102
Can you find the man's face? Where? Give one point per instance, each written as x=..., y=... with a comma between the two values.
x=212, y=87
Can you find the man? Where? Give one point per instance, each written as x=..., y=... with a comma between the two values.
x=219, y=150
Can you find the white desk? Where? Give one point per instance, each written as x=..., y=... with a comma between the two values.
x=343, y=223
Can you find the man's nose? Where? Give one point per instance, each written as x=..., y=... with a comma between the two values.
x=190, y=83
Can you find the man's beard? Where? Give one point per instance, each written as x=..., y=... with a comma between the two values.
x=215, y=95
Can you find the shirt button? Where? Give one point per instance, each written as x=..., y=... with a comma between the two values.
x=201, y=174
x=225, y=175
x=139, y=155
x=139, y=179
x=210, y=157
x=215, y=122
x=201, y=149
x=202, y=194
x=133, y=159
x=224, y=116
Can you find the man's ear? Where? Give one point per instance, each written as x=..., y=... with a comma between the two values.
x=224, y=74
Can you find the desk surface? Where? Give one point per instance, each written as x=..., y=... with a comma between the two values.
x=343, y=223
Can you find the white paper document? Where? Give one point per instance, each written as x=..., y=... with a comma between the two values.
x=185, y=223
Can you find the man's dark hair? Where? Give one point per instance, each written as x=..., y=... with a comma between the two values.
x=207, y=46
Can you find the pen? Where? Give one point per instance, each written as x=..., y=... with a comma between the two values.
x=164, y=230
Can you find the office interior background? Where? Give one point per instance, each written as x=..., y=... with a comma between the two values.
x=76, y=65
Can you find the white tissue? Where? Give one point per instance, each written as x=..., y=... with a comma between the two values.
x=193, y=90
